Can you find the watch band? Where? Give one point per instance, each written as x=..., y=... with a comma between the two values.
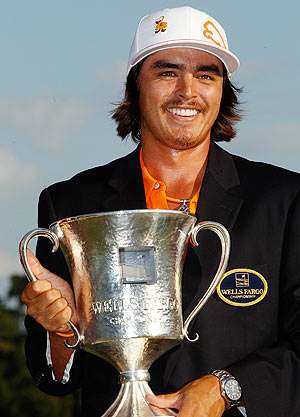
x=233, y=398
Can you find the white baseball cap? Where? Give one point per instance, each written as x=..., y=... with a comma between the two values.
x=181, y=27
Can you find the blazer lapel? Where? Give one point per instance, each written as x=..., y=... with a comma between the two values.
x=124, y=189
x=219, y=201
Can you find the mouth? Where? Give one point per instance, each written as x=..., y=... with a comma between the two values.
x=179, y=111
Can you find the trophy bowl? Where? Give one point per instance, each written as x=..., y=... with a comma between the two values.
x=126, y=269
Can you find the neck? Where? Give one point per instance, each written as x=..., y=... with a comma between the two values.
x=181, y=170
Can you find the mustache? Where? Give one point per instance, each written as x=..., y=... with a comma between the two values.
x=191, y=103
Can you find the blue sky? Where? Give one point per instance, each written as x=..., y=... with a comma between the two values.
x=63, y=65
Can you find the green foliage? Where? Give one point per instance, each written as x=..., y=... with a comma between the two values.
x=19, y=396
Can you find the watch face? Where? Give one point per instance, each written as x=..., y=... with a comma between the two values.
x=233, y=390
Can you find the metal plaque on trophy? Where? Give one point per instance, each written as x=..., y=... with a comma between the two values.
x=126, y=269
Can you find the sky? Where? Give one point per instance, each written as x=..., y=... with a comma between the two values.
x=63, y=66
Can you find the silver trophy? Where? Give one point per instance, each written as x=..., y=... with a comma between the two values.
x=126, y=269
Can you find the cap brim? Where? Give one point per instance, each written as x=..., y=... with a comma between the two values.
x=230, y=61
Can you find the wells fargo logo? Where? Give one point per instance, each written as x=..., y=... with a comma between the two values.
x=212, y=33
x=161, y=25
x=242, y=287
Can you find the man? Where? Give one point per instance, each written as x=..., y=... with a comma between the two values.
x=178, y=102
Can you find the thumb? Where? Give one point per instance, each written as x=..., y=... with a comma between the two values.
x=164, y=401
x=37, y=269
x=56, y=282
x=35, y=266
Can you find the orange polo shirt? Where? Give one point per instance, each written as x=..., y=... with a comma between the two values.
x=155, y=191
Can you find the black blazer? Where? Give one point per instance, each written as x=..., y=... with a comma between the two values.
x=259, y=344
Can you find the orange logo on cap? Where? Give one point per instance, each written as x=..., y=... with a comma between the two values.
x=161, y=25
x=212, y=33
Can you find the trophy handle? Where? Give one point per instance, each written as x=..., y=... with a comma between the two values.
x=224, y=237
x=31, y=277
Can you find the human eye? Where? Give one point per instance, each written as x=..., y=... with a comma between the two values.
x=167, y=74
x=205, y=77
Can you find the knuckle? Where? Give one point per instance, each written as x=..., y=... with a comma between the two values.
x=23, y=297
x=66, y=314
x=40, y=316
x=52, y=295
x=38, y=287
x=61, y=303
x=30, y=310
x=34, y=287
x=44, y=320
x=33, y=311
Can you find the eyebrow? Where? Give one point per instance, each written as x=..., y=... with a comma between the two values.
x=211, y=68
x=166, y=64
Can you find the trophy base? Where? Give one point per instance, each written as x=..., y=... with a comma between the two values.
x=131, y=402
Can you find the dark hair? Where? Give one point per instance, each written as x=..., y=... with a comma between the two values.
x=128, y=118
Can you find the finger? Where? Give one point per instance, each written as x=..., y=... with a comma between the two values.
x=37, y=269
x=164, y=401
x=60, y=321
x=35, y=289
x=44, y=275
x=39, y=304
x=50, y=310
x=66, y=328
x=53, y=309
x=56, y=323
x=192, y=410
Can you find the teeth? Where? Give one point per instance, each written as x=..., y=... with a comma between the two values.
x=183, y=112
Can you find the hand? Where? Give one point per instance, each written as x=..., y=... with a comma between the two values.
x=200, y=398
x=50, y=300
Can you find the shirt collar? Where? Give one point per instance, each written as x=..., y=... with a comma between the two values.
x=155, y=191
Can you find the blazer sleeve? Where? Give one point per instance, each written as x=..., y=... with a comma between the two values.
x=36, y=341
x=270, y=376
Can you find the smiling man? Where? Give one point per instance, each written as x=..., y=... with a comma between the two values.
x=178, y=103
x=180, y=95
x=180, y=92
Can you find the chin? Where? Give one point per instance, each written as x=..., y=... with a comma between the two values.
x=182, y=142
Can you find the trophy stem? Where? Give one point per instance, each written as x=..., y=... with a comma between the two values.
x=131, y=401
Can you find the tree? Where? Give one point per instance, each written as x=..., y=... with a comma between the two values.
x=18, y=393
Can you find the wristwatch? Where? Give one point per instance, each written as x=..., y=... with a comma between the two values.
x=230, y=388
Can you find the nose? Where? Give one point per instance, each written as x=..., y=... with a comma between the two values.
x=185, y=87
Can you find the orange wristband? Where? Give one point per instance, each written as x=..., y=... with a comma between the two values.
x=64, y=334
